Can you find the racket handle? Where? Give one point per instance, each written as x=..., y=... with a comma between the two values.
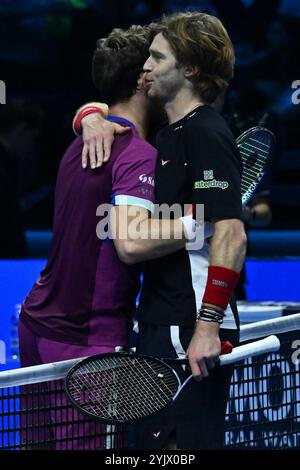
x=269, y=344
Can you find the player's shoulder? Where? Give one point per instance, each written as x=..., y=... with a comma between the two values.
x=208, y=124
x=206, y=118
x=136, y=148
x=141, y=143
x=72, y=152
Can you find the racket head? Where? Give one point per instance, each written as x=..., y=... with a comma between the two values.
x=121, y=388
x=256, y=147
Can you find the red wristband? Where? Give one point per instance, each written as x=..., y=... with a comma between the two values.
x=85, y=112
x=220, y=286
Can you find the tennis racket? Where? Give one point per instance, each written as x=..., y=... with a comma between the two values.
x=256, y=146
x=121, y=388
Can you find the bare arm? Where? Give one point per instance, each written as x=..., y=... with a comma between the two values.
x=227, y=249
x=138, y=238
x=98, y=136
x=228, y=244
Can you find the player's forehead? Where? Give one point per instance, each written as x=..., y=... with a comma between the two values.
x=161, y=45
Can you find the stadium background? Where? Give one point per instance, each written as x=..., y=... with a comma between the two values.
x=45, y=56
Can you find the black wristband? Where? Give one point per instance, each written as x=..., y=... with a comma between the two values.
x=210, y=315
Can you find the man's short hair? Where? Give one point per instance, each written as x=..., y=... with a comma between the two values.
x=201, y=42
x=118, y=61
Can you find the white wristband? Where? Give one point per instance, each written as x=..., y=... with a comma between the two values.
x=189, y=227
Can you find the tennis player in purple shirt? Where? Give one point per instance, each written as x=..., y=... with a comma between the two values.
x=86, y=294
x=83, y=302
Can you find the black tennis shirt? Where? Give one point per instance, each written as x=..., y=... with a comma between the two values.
x=198, y=162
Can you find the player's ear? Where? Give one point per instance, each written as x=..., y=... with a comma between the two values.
x=141, y=84
x=191, y=72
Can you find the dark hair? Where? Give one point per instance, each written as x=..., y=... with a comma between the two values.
x=118, y=61
x=201, y=42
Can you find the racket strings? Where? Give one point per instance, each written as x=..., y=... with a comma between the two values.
x=255, y=149
x=153, y=397
x=103, y=404
x=100, y=385
x=249, y=149
x=250, y=173
x=138, y=387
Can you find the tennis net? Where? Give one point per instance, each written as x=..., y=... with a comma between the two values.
x=263, y=411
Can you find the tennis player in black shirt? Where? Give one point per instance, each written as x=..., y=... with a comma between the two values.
x=187, y=301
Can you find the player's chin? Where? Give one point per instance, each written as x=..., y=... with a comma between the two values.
x=151, y=91
x=154, y=96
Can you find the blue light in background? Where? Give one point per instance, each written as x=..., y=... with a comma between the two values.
x=268, y=280
x=16, y=279
x=275, y=280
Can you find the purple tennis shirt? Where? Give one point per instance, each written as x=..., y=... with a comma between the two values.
x=85, y=294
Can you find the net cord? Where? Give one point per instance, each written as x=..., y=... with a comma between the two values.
x=58, y=370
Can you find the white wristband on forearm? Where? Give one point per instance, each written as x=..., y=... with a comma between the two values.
x=189, y=227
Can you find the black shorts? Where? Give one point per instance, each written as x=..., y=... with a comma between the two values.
x=197, y=417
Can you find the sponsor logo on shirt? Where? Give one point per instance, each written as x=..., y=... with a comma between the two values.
x=210, y=182
x=145, y=191
x=165, y=162
x=146, y=179
x=208, y=174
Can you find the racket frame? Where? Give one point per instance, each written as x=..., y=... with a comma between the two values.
x=131, y=355
x=239, y=140
x=264, y=346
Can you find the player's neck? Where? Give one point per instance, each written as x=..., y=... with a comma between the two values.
x=181, y=105
x=131, y=111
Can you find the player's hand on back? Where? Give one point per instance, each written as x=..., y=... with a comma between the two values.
x=98, y=135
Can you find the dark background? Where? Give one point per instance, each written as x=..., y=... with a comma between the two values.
x=45, y=57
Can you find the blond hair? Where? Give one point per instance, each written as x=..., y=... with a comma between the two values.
x=201, y=43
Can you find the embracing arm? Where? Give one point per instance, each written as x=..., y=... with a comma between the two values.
x=138, y=238
x=97, y=133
